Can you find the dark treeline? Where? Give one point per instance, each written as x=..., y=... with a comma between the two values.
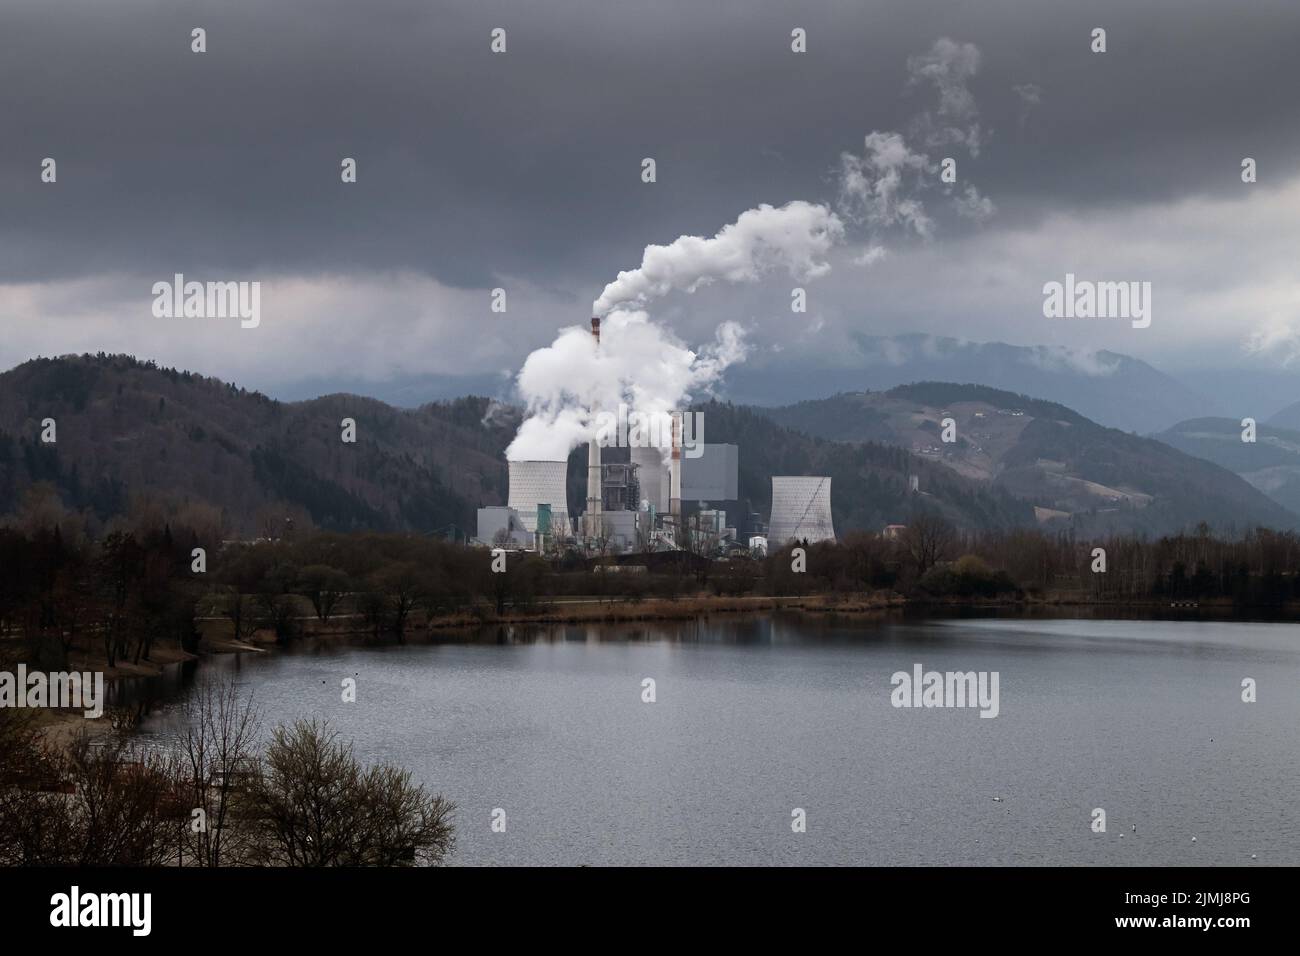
x=120, y=596
x=931, y=559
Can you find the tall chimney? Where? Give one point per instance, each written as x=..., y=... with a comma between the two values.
x=675, y=472
x=592, y=518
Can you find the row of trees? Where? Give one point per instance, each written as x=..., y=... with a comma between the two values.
x=123, y=595
x=213, y=797
x=932, y=558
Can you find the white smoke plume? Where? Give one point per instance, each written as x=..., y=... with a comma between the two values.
x=794, y=237
x=870, y=256
x=971, y=205
x=1031, y=95
x=567, y=384
x=881, y=189
x=878, y=188
x=948, y=66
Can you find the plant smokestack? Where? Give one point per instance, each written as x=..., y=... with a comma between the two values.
x=675, y=472
x=593, y=516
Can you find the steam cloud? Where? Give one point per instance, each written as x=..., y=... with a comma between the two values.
x=872, y=187
x=569, y=382
x=949, y=66
x=795, y=237
x=881, y=189
x=1031, y=95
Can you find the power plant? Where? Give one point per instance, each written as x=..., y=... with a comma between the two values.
x=672, y=492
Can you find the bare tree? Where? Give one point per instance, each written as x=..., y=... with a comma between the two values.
x=216, y=758
x=402, y=825
x=239, y=608
x=401, y=585
x=928, y=539
x=315, y=806
x=124, y=809
x=36, y=823
x=324, y=586
x=278, y=613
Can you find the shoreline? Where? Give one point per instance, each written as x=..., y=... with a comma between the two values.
x=58, y=727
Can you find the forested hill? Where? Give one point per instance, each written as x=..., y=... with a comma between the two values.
x=1076, y=473
x=133, y=435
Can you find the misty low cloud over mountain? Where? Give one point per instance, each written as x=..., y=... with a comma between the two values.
x=1114, y=389
x=522, y=171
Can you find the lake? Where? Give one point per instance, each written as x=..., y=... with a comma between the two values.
x=755, y=717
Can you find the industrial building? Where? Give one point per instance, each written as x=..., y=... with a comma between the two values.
x=711, y=476
x=801, y=510
x=634, y=509
x=682, y=496
x=629, y=499
x=500, y=526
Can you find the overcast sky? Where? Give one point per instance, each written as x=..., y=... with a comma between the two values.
x=522, y=170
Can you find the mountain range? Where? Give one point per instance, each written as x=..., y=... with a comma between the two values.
x=131, y=434
x=1270, y=463
x=1074, y=472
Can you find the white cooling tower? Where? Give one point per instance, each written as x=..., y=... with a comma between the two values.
x=534, y=483
x=801, y=510
x=652, y=475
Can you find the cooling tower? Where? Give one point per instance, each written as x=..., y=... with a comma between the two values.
x=801, y=510
x=652, y=475
x=534, y=483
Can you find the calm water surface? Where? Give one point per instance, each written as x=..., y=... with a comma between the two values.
x=757, y=716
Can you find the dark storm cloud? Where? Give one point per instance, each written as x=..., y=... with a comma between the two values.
x=475, y=166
